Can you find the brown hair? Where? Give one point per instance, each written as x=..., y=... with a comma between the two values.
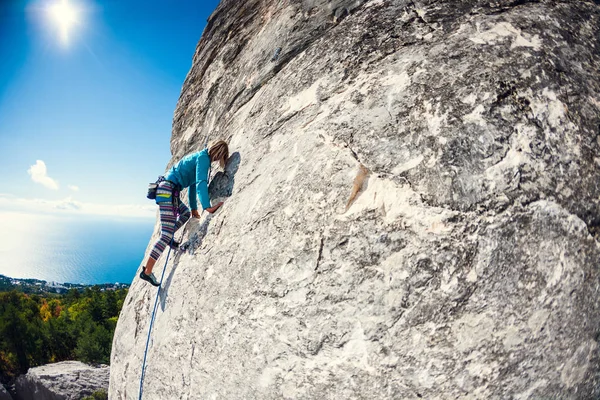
x=219, y=151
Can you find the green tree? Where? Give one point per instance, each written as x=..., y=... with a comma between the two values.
x=72, y=296
x=99, y=395
x=39, y=328
x=13, y=331
x=94, y=345
x=95, y=305
x=109, y=304
x=59, y=338
x=20, y=329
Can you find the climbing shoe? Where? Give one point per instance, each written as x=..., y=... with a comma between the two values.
x=150, y=278
x=174, y=245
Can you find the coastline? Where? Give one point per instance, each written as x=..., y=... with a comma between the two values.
x=39, y=286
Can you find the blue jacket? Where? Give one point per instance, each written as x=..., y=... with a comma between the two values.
x=193, y=171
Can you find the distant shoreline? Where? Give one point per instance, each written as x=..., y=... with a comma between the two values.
x=32, y=285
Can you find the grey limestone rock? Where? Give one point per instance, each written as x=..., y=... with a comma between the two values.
x=466, y=264
x=67, y=380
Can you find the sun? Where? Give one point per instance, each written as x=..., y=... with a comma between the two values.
x=65, y=16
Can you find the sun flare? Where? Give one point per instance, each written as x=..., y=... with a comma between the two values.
x=64, y=15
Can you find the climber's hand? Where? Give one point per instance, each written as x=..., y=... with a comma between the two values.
x=195, y=214
x=215, y=208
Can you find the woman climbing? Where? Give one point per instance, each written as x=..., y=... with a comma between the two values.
x=192, y=171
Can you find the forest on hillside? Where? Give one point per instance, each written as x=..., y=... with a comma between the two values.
x=37, y=329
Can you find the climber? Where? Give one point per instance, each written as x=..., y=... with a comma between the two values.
x=192, y=171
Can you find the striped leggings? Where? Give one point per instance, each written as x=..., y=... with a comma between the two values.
x=169, y=223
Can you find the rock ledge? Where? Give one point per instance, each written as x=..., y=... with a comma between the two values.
x=68, y=380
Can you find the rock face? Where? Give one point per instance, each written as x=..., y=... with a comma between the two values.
x=67, y=380
x=415, y=212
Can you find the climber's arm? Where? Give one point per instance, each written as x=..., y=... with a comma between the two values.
x=215, y=208
x=202, y=188
x=202, y=167
x=192, y=198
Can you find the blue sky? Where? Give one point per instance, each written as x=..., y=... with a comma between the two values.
x=95, y=109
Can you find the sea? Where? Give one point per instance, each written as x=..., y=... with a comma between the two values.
x=74, y=249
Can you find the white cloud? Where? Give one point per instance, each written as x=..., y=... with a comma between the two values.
x=39, y=174
x=70, y=206
x=74, y=188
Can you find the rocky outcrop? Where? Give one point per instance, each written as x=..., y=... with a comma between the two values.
x=67, y=380
x=415, y=211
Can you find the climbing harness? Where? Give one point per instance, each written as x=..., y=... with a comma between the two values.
x=153, y=187
x=176, y=201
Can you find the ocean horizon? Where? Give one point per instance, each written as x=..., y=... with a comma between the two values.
x=72, y=249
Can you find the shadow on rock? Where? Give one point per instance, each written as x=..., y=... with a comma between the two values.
x=220, y=186
x=197, y=232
